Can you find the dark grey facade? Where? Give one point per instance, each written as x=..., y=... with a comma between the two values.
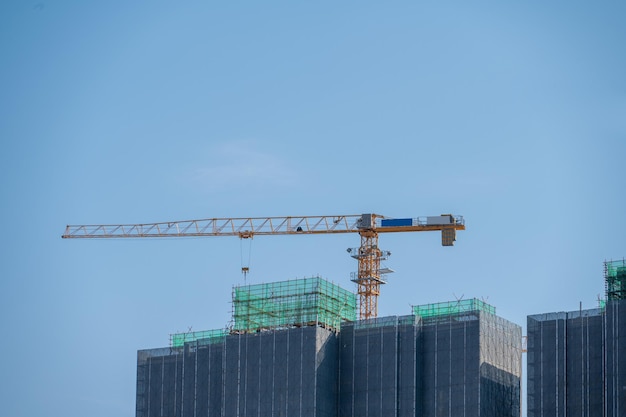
x=576, y=363
x=615, y=354
x=470, y=366
x=278, y=373
x=464, y=364
x=379, y=370
x=565, y=364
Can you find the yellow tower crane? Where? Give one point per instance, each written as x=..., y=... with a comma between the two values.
x=369, y=276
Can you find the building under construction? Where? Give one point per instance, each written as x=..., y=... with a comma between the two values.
x=295, y=348
x=577, y=360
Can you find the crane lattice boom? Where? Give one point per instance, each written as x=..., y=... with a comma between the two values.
x=243, y=227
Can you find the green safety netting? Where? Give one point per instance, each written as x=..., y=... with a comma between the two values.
x=453, y=307
x=615, y=279
x=300, y=302
x=292, y=303
x=209, y=336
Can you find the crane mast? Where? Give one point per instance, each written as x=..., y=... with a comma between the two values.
x=369, y=276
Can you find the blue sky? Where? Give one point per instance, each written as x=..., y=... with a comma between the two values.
x=512, y=114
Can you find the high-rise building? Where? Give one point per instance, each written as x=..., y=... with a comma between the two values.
x=295, y=349
x=447, y=359
x=576, y=360
x=565, y=364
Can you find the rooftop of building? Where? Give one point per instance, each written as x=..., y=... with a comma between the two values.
x=315, y=301
x=566, y=315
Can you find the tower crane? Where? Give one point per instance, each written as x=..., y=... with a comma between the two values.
x=369, y=276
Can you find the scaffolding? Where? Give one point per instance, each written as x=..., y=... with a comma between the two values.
x=205, y=336
x=615, y=279
x=294, y=303
x=448, y=308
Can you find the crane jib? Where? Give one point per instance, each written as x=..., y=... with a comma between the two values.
x=254, y=226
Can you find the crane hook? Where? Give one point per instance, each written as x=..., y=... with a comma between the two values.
x=245, y=263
